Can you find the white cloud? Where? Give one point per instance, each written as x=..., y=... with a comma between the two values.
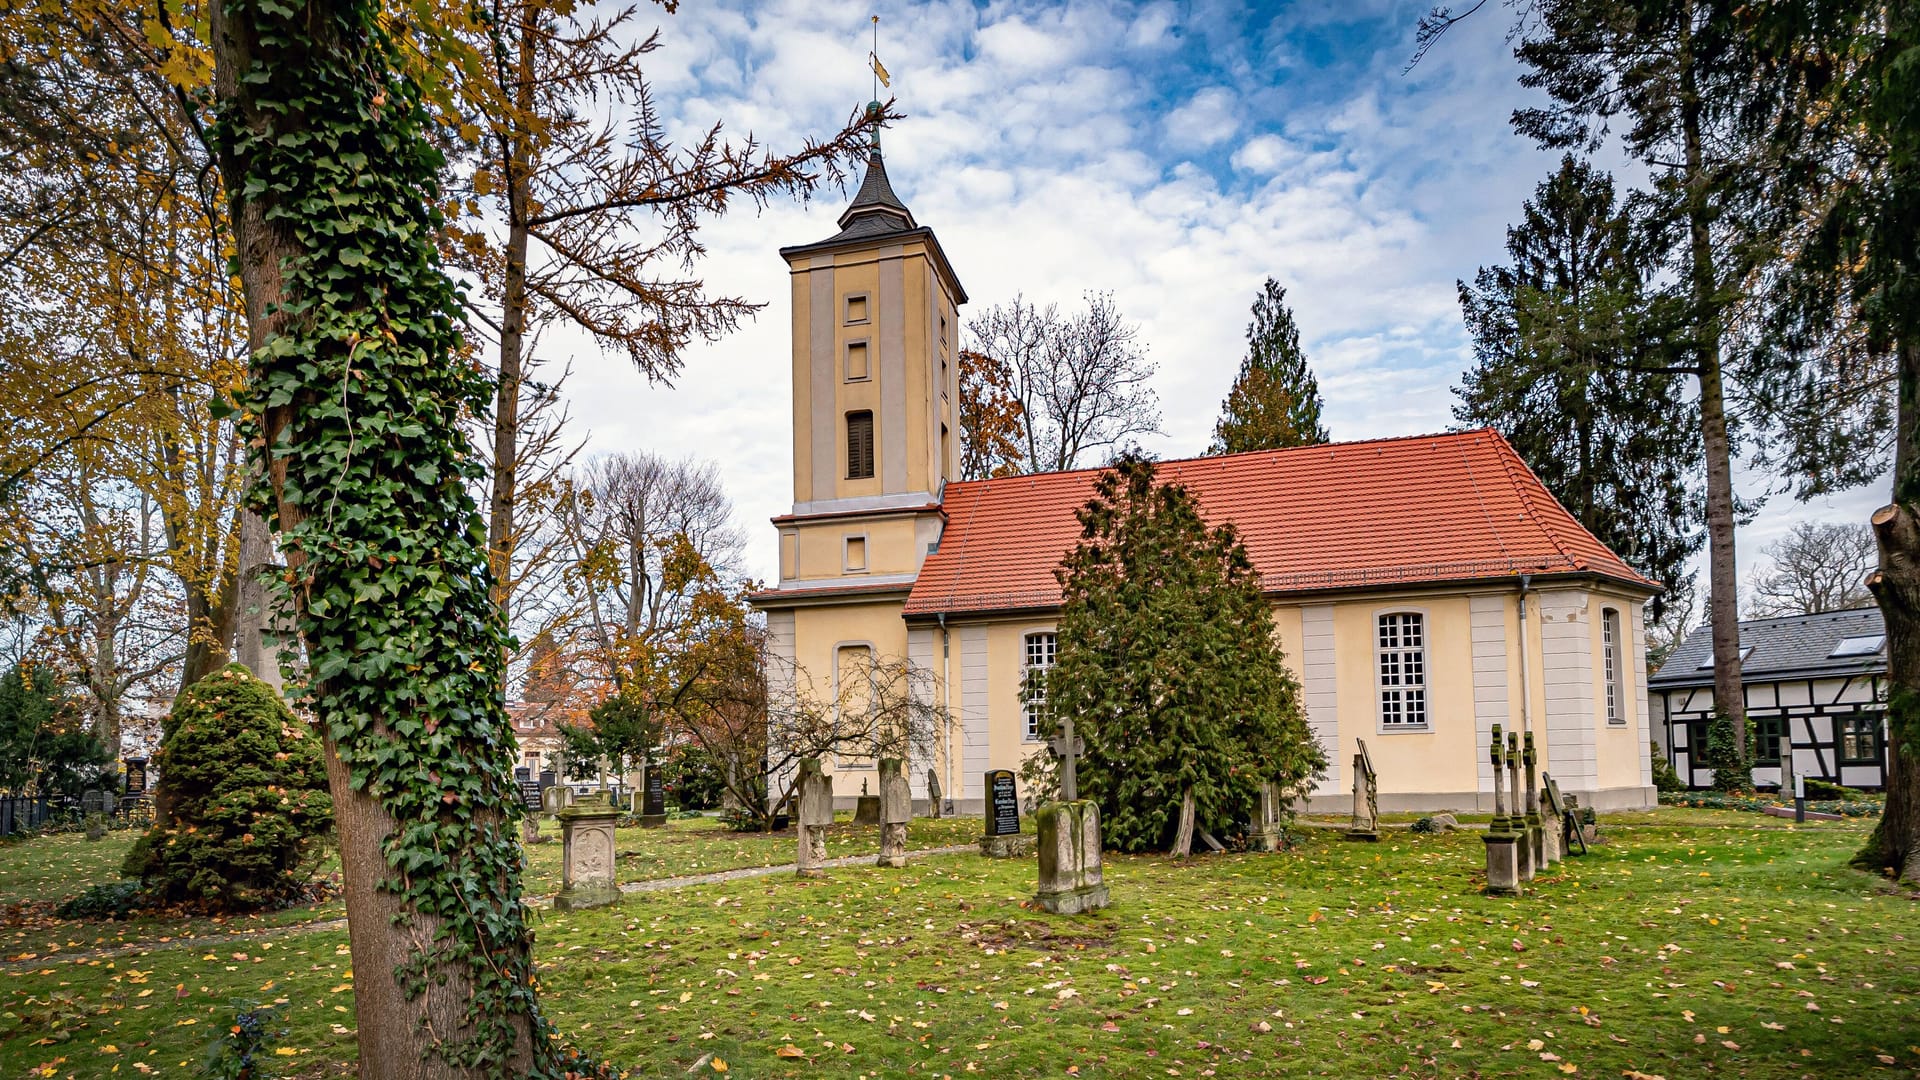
x=1036, y=147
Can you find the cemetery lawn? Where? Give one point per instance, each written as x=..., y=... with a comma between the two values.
x=1678, y=949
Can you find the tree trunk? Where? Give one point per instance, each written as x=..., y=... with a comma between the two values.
x=399, y=1031
x=253, y=601
x=514, y=154
x=1894, y=846
x=1183, y=833
x=211, y=618
x=1729, y=695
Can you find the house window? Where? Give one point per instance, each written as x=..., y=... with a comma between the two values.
x=857, y=308
x=1403, y=672
x=1767, y=733
x=1040, y=651
x=1610, y=662
x=1859, y=736
x=857, y=368
x=860, y=445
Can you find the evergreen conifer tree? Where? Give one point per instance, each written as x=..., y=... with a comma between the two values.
x=1569, y=368
x=1275, y=400
x=1170, y=665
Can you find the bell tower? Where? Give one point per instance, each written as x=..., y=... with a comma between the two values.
x=875, y=391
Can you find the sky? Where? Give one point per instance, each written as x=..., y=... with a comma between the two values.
x=1173, y=154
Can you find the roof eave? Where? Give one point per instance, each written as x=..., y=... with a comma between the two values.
x=935, y=251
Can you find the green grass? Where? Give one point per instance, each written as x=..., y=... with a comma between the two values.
x=1358, y=959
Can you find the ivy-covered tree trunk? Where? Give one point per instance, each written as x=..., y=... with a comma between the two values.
x=352, y=407
x=1895, y=844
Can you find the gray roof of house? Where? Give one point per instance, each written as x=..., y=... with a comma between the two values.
x=1798, y=646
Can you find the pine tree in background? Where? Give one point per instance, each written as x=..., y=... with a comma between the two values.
x=1569, y=368
x=1275, y=400
x=1170, y=666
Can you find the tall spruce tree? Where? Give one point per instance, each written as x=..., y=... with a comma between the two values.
x=1568, y=352
x=1832, y=100
x=1170, y=666
x=1668, y=75
x=1275, y=400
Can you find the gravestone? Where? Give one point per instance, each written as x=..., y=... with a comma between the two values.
x=1001, y=838
x=653, y=798
x=936, y=807
x=866, y=811
x=1266, y=829
x=136, y=775
x=1070, y=876
x=1536, y=831
x=813, y=803
x=96, y=805
x=1366, y=798
x=587, y=854
x=896, y=810
x=1517, y=820
x=555, y=799
x=1503, y=860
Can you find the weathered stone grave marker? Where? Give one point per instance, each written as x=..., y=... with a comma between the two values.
x=1536, y=832
x=936, y=806
x=1070, y=875
x=1266, y=830
x=866, y=811
x=587, y=854
x=1001, y=838
x=1517, y=820
x=1366, y=798
x=1503, y=865
x=813, y=815
x=896, y=810
x=95, y=806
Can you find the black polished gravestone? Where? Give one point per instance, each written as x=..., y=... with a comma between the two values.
x=653, y=799
x=1002, y=836
x=136, y=775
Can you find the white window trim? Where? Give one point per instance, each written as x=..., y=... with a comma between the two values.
x=1613, y=697
x=1380, y=726
x=1025, y=735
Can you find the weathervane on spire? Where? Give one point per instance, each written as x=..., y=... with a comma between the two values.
x=880, y=79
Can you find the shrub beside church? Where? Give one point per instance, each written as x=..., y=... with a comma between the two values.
x=243, y=796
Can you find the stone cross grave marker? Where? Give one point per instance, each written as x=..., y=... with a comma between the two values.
x=1523, y=841
x=1536, y=834
x=1503, y=862
x=1366, y=798
x=1068, y=747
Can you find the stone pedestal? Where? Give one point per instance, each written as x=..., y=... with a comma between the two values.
x=813, y=801
x=587, y=856
x=1070, y=877
x=895, y=811
x=1503, y=863
x=1266, y=827
x=867, y=810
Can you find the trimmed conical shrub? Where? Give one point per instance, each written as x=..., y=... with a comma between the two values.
x=245, y=792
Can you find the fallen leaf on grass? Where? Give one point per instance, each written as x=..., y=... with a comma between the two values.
x=789, y=1051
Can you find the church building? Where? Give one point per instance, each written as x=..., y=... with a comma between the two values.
x=1424, y=588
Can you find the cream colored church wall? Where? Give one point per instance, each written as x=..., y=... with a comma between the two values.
x=1440, y=759
x=818, y=634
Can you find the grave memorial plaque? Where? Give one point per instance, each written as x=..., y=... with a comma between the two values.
x=1003, y=804
x=136, y=775
x=653, y=798
x=529, y=794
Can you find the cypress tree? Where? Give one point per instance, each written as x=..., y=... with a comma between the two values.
x=1170, y=665
x=1275, y=400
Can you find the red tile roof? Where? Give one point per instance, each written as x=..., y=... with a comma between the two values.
x=1382, y=512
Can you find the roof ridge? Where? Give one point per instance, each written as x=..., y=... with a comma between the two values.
x=1293, y=450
